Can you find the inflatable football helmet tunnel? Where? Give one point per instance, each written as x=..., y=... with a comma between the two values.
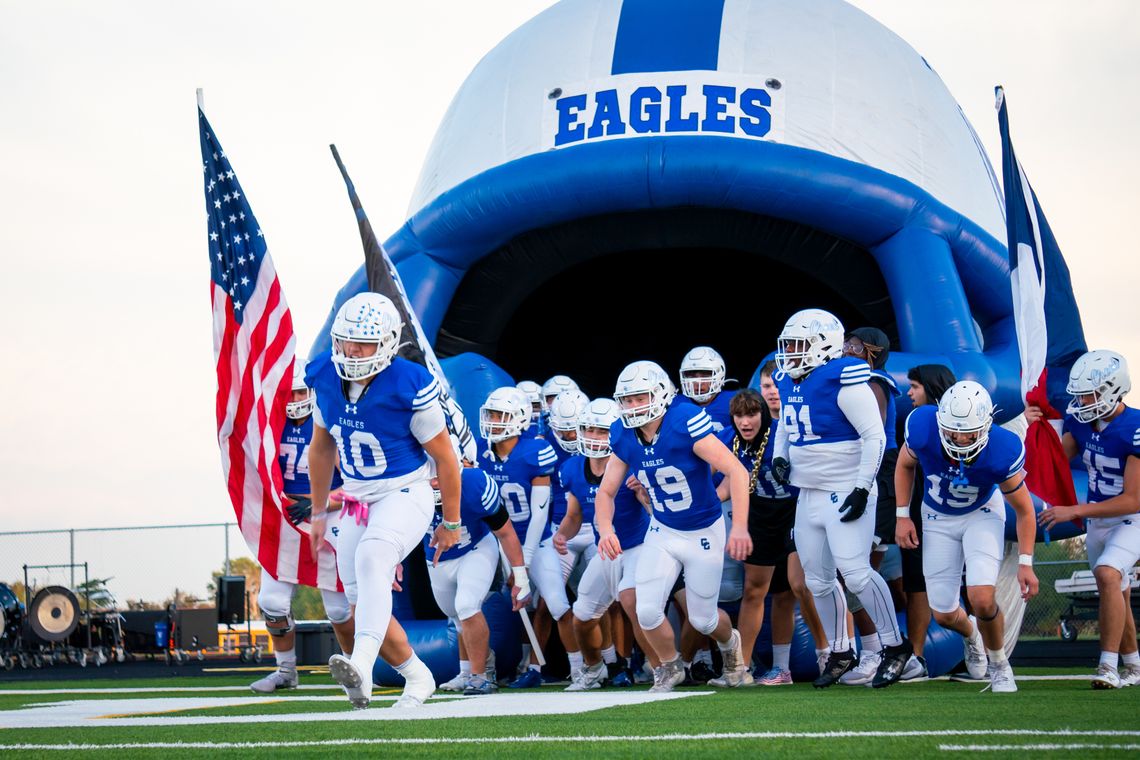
x=626, y=179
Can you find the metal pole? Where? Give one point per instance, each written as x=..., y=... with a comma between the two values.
x=71, y=535
x=226, y=528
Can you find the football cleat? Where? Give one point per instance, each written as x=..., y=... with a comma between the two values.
x=275, y=681
x=667, y=675
x=837, y=664
x=459, y=683
x=915, y=669
x=589, y=677
x=419, y=684
x=345, y=673
x=821, y=660
x=863, y=672
x=1001, y=679
x=735, y=671
x=531, y=679
x=1106, y=678
x=775, y=677
x=975, y=654
x=491, y=673
x=478, y=686
x=621, y=679
x=893, y=664
x=1129, y=675
x=700, y=673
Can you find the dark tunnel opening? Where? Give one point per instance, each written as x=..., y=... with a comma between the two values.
x=587, y=297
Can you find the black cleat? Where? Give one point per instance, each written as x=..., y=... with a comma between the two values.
x=893, y=664
x=838, y=663
x=701, y=673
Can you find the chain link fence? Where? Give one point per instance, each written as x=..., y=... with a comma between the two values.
x=144, y=565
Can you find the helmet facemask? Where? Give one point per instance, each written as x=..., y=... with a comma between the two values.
x=299, y=410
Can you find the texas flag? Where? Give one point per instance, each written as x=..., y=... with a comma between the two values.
x=1049, y=333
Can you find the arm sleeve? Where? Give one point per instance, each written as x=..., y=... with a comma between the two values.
x=539, y=503
x=497, y=519
x=318, y=420
x=428, y=422
x=1019, y=426
x=857, y=402
x=781, y=449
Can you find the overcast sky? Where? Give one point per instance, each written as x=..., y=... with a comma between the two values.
x=108, y=379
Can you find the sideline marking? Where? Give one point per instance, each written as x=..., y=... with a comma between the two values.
x=175, y=689
x=1031, y=747
x=535, y=738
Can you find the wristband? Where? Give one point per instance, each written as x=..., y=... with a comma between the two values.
x=902, y=511
x=1025, y=559
x=452, y=525
x=522, y=581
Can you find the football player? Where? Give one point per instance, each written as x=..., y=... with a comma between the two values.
x=702, y=381
x=383, y=415
x=462, y=576
x=670, y=445
x=552, y=387
x=832, y=433
x=604, y=580
x=1106, y=435
x=522, y=467
x=969, y=466
x=533, y=393
x=276, y=597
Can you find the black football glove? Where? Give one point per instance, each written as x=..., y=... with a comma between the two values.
x=854, y=505
x=299, y=511
x=781, y=468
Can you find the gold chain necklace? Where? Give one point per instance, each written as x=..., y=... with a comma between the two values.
x=755, y=475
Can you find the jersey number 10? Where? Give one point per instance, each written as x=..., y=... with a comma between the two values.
x=353, y=458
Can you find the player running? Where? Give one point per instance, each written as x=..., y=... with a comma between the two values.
x=702, y=382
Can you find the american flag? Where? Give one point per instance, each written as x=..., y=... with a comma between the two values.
x=253, y=353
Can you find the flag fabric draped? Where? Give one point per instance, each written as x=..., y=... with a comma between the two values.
x=383, y=278
x=1048, y=323
x=253, y=353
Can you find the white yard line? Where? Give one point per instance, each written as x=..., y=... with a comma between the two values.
x=160, y=689
x=1034, y=747
x=535, y=738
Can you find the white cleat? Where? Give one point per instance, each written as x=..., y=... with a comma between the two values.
x=1106, y=678
x=975, y=653
x=1129, y=675
x=863, y=672
x=821, y=661
x=589, y=677
x=491, y=673
x=345, y=672
x=275, y=681
x=1001, y=679
x=915, y=670
x=457, y=684
x=667, y=675
x=735, y=672
x=418, y=686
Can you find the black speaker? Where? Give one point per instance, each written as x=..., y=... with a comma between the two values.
x=231, y=599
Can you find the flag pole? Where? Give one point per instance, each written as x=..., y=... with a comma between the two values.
x=201, y=100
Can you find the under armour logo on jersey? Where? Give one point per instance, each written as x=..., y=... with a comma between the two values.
x=498, y=468
x=350, y=408
x=795, y=389
x=834, y=498
x=1096, y=436
x=655, y=528
x=648, y=449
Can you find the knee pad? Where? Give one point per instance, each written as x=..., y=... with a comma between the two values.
x=857, y=578
x=705, y=624
x=376, y=557
x=275, y=598
x=350, y=593
x=278, y=625
x=648, y=617
x=468, y=605
x=337, y=607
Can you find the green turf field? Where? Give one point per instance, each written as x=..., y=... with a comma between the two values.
x=209, y=716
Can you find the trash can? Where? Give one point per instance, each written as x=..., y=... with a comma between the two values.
x=316, y=643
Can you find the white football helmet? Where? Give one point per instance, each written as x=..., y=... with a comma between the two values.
x=643, y=377
x=1104, y=376
x=366, y=318
x=710, y=366
x=810, y=339
x=533, y=393
x=599, y=414
x=565, y=410
x=299, y=410
x=511, y=411
x=553, y=387
x=965, y=408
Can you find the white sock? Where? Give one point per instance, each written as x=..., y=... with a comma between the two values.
x=997, y=656
x=781, y=656
x=871, y=643
x=609, y=655
x=688, y=664
x=1112, y=659
x=364, y=652
x=535, y=667
x=1132, y=658
x=576, y=661
x=411, y=668
x=820, y=652
x=705, y=656
x=286, y=660
x=465, y=667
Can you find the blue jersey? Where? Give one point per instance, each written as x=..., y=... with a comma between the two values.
x=530, y=458
x=766, y=485
x=479, y=500
x=956, y=488
x=1105, y=453
x=293, y=458
x=373, y=434
x=810, y=406
x=718, y=410
x=887, y=383
x=557, y=492
x=630, y=518
x=679, y=482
